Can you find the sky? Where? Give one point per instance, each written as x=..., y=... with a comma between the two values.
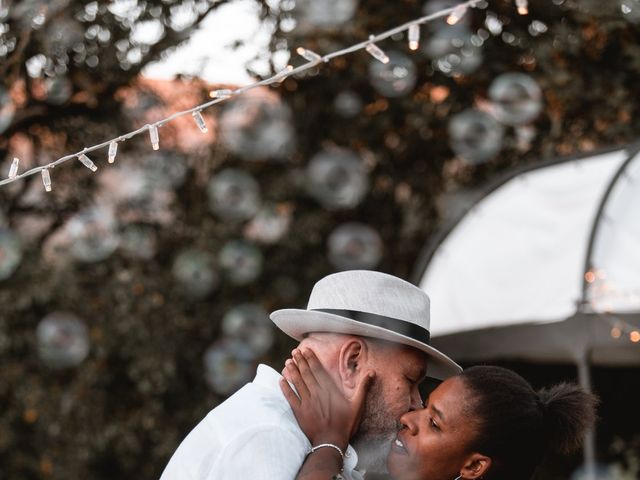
x=207, y=53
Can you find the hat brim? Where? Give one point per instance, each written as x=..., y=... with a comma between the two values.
x=297, y=323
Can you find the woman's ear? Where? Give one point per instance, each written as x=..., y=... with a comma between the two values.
x=475, y=467
x=352, y=357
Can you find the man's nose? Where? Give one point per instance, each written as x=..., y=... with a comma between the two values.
x=416, y=402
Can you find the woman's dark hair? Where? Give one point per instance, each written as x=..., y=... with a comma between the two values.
x=518, y=426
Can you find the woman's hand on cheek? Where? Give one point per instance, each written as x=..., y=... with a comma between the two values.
x=323, y=412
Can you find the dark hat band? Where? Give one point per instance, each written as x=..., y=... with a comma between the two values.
x=396, y=325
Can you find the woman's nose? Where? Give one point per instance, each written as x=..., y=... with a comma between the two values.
x=408, y=421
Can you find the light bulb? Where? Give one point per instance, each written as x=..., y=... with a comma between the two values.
x=46, y=180
x=308, y=54
x=86, y=161
x=522, y=6
x=155, y=138
x=113, y=150
x=222, y=93
x=455, y=16
x=197, y=116
x=280, y=76
x=13, y=171
x=376, y=52
x=414, y=36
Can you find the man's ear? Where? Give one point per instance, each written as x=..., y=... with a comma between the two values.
x=475, y=466
x=351, y=358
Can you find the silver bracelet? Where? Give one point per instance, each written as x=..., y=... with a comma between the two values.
x=313, y=449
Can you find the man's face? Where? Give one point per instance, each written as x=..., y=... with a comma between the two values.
x=394, y=392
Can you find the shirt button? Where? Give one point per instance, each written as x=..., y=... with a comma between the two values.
x=348, y=454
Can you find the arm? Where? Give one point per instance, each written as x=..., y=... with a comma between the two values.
x=264, y=453
x=324, y=414
x=323, y=464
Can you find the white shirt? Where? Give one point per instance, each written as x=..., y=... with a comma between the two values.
x=253, y=435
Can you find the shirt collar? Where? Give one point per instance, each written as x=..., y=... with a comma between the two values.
x=268, y=378
x=350, y=460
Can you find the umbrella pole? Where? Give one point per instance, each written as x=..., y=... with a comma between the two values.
x=589, y=448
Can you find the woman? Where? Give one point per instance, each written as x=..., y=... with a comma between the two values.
x=487, y=423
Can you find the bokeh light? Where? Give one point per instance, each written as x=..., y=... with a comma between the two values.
x=257, y=128
x=516, y=97
x=62, y=339
x=347, y=104
x=453, y=51
x=475, y=136
x=164, y=169
x=337, y=178
x=395, y=78
x=240, y=261
x=249, y=323
x=7, y=109
x=228, y=364
x=630, y=10
x=139, y=241
x=10, y=253
x=269, y=225
x=195, y=272
x=325, y=13
x=355, y=245
x=233, y=195
x=58, y=90
x=93, y=234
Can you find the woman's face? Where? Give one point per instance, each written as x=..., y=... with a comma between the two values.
x=433, y=444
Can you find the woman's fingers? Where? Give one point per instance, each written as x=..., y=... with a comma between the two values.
x=303, y=365
x=318, y=371
x=295, y=377
x=290, y=395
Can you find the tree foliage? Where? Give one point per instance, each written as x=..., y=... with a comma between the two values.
x=72, y=69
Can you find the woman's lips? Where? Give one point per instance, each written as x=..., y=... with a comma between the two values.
x=398, y=446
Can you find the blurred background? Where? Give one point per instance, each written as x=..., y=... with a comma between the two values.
x=135, y=299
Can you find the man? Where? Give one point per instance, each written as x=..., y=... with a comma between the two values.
x=355, y=322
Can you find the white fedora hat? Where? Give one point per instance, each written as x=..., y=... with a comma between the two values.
x=370, y=304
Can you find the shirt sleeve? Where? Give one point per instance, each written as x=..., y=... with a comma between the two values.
x=263, y=453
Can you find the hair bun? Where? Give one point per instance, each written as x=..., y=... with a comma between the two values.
x=568, y=413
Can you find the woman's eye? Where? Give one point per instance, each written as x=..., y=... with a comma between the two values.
x=433, y=424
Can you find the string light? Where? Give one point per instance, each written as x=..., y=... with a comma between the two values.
x=414, y=36
x=13, y=171
x=279, y=77
x=154, y=137
x=522, y=6
x=197, y=116
x=46, y=180
x=308, y=55
x=376, y=52
x=620, y=327
x=86, y=161
x=457, y=14
x=220, y=95
x=113, y=150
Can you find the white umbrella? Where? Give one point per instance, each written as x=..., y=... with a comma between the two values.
x=545, y=268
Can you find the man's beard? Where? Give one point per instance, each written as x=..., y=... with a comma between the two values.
x=377, y=430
